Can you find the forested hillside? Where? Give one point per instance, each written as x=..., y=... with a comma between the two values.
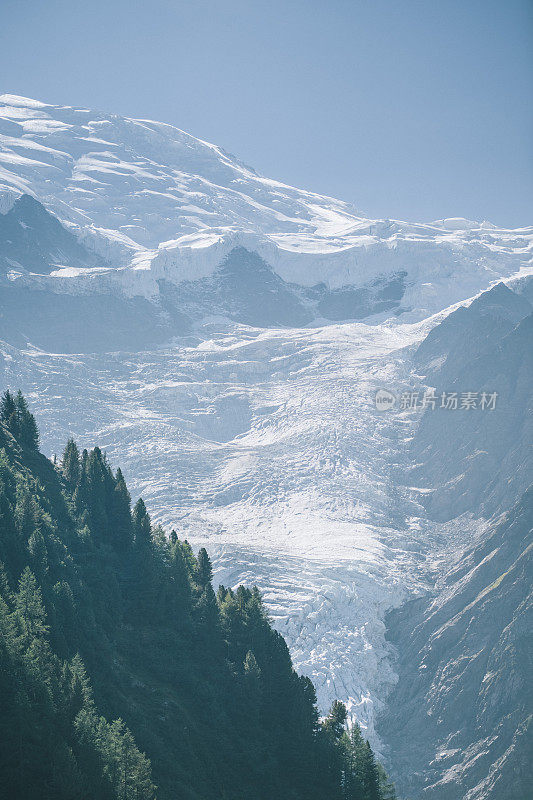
x=123, y=675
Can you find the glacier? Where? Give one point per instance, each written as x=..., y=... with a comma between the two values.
x=259, y=440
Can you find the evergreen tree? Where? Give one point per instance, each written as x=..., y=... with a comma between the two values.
x=252, y=674
x=7, y=407
x=334, y=723
x=97, y=492
x=25, y=511
x=144, y=585
x=11, y=544
x=353, y=746
x=370, y=774
x=190, y=559
x=27, y=427
x=386, y=786
x=29, y=610
x=81, y=493
x=18, y=420
x=205, y=570
x=142, y=527
x=181, y=585
x=38, y=554
x=70, y=465
x=8, y=413
x=120, y=514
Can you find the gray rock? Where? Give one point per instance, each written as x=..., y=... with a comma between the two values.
x=460, y=720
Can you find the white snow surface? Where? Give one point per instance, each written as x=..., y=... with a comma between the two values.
x=149, y=197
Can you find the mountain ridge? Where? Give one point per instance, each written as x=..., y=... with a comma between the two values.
x=146, y=196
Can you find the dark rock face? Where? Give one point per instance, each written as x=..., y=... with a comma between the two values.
x=33, y=243
x=477, y=459
x=357, y=303
x=32, y=239
x=469, y=332
x=460, y=721
x=246, y=289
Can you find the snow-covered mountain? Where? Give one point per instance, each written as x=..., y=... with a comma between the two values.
x=170, y=207
x=223, y=337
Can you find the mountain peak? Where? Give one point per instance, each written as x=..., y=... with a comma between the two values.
x=143, y=193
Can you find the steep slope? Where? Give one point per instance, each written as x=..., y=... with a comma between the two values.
x=473, y=459
x=150, y=197
x=460, y=719
x=469, y=332
x=54, y=298
x=33, y=240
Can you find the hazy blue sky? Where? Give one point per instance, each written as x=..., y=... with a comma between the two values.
x=412, y=109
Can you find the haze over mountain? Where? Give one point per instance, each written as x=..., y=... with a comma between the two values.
x=223, y=336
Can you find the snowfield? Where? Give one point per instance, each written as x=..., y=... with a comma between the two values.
x=163, y=204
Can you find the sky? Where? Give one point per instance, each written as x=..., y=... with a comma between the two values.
x=410, y=109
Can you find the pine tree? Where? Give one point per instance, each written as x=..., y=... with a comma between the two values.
x=370, y=774
x=66, y=616
x=142, y=527
x=190, y=559
x=205, y=570
x=38, y=553
x=120, y=514
x=252, y=674
x=12, y=553
x=70, y=465
x=81, y=492
x=25, y=511
x=144, y=584
x=80, y=677
x=206, y=612
x=19, y=421
x=8, y=413
x=386, y=786
x=29, y=609
x=181, y=589
x=28, y=432
x=334, y=723
x=353, y=764
x=96, y=494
